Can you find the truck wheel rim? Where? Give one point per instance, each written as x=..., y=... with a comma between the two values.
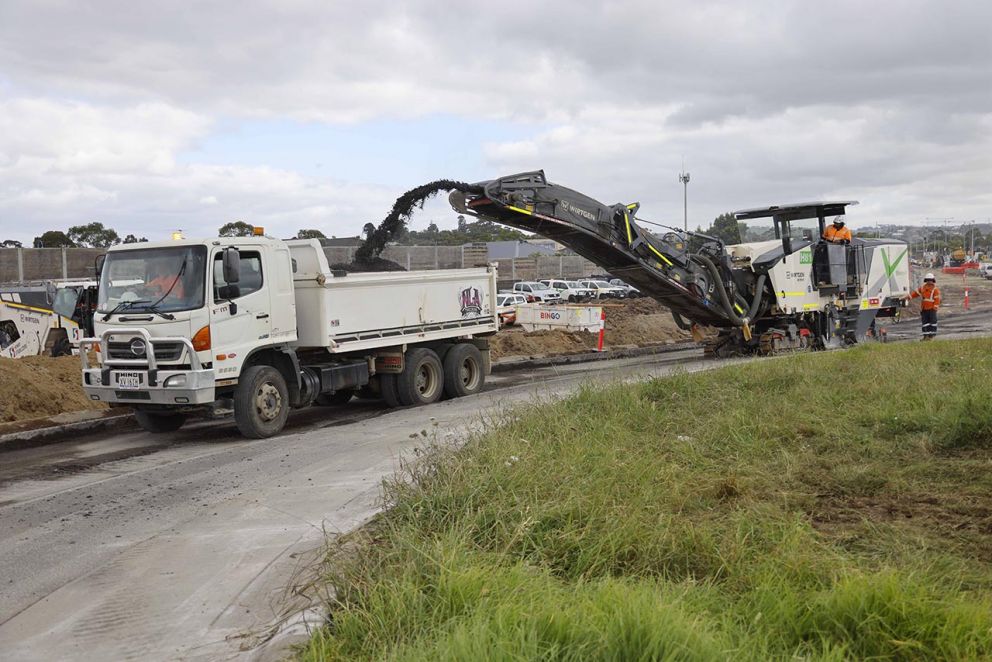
x=469, y=373
x=268, y=401
x=426, y=382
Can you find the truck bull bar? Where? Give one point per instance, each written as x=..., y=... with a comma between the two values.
x=149, y=362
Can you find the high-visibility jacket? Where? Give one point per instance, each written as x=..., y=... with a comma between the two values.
x=163, y=283
x=930, y=294
x=837, y=234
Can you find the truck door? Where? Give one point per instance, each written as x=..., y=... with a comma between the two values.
x=280, y=277
x=235, y=335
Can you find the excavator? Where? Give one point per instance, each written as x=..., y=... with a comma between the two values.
x=790, y=290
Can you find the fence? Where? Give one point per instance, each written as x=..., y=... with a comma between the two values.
x=21, y=264
x=25, y=264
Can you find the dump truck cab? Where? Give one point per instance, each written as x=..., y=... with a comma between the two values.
x=173, y=318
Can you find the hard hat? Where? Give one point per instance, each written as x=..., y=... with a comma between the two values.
x=929, y=276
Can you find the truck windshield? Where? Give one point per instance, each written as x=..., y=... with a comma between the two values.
x=166, y=279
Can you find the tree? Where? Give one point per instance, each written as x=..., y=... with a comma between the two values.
x=93, y=235
x=131, y=239
x=310, y=234
x=368, y=229
x=480, y=231
x=725, y=227
x=11, y=243
x=236, y=229
x=53, y=239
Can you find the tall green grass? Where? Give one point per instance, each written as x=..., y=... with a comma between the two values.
x=825, y=506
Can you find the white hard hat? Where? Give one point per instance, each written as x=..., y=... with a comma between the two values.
x=929, y=276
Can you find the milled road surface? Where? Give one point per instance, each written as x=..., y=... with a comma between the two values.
x=191, y=545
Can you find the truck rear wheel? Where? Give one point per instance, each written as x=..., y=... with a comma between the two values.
x=463, y=371
x=261, y=402
x=422, y=379
x=156, y=422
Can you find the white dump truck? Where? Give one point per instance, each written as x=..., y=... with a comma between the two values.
x=261, y=326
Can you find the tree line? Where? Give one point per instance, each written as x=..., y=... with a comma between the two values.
x=96, y=235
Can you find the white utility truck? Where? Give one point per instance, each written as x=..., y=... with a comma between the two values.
x=260, y=326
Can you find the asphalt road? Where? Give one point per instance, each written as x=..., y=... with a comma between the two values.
x=201, y=545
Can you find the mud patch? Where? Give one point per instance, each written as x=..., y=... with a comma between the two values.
x=39, y=386
x=968, y=518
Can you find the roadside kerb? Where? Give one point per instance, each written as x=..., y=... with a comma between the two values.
x=50, y=434
x=509, y=365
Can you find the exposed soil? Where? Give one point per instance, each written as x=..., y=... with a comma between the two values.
x=38, y=386
x=639, y=322
x=967, y=518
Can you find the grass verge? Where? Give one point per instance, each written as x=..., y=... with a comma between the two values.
x=825, y=506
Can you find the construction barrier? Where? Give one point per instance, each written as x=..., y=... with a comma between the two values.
x=535, y=317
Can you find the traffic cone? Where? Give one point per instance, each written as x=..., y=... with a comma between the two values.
x=966, y=293
x=602, y=330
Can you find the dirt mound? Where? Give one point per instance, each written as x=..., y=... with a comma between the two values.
x=514, y=341
x=638, y=322
x=38, y=386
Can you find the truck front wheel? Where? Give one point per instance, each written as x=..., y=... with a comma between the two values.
x=463, y=371
x=261, y=402
x=156, y=422
x=422, y=379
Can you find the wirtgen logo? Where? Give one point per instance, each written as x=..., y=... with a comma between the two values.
x=578, y=212
x=471, y=302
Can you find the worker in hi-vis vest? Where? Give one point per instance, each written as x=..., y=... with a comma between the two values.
x=837, y=233
x=929, y=293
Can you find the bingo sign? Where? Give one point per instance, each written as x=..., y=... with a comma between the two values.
x=550, y=315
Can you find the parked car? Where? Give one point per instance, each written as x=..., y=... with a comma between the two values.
x=506, y=307
x=632, y=292
x=536, y=292
x=604, y=290
x=569, y=290
x=987, y=271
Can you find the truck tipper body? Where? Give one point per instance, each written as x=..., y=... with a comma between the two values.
x=261, y=326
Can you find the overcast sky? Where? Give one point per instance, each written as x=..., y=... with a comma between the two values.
x=316, y=114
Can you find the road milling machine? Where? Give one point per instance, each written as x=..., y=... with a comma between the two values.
x=790, y=290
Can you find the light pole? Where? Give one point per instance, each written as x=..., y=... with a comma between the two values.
x=684, y=178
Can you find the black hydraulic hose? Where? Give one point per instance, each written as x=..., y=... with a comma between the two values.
x=728, y=306
x=681, y=323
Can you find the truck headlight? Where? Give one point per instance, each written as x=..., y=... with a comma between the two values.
x=176, y=381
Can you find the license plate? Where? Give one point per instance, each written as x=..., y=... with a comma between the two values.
x=128, y=380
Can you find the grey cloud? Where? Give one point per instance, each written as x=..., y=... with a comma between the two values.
x=769, y=101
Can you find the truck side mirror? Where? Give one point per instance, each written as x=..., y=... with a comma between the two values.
x=232, y=265
x=98, y=264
